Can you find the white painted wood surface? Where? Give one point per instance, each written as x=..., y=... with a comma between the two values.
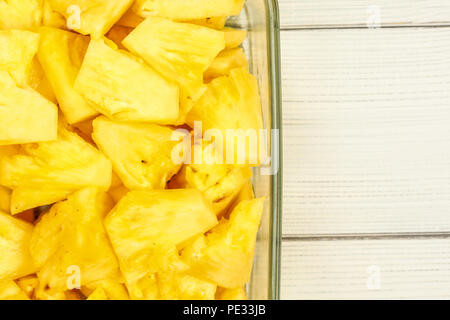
x=366, y=116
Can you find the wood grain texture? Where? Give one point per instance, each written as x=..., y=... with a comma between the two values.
x=340, y=13
x=366, y=117
x=366, y=269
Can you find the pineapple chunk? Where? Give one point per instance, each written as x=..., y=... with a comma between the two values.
x=59, y=167
x=94, y=17
x=9, y=290
x=176, y=286
x=231, y=294
x=234, y=37
x=140, y=153
x=179, y=51
x=15, y=260
x=145, y=227
x=98, y=294
x=246, y=193
x=225, y=62
x=18, y=50
x=117, y=193
x=72, y=234
x=232, y=105
x=124, y=88
x=61, y=54
x=130, y=19
x=25, y=116
x=113, y=290
x=20, y=14
x=225, y=255
x=28, y=284
x=188, y=9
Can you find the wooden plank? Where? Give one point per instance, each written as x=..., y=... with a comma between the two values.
x=370, y=269
x=366, y=130
x=332, y=13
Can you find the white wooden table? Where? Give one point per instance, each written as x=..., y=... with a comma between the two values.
x=366, y=116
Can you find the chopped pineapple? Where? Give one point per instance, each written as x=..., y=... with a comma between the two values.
x=18, y=50
x=9, y=290
x=130, y=19
x=72, y=234
x=28, y=284
x=15, y=260
x=145, y=227
x=186, y=10
x=124, y=88
x=20, y=14
x=225, y=62
x=117, y=193
x=176, y=286
x=140, y=153
x=179, y=51
x=60, y=167
x=246, y=193
x=234, y=37
x=232, y=105
x=112, y=289
x=98, y=294
x=94, y=17
x=231, y=294
x=25, y=116
x=225, y=254
x=61, y=54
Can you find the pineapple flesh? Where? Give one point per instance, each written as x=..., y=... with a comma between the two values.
x=72, y=234
x=225, y=62
x=178, y=286
x=25, y=116
x=188, y=9
x=18, y=50
x=231, y=294
x=144, y=228
x=234, y=37
x=93, y=17
x=46, y=172
x=123, y=88
x=179, y=51
x=15, y=260
x=61, y=54
x=225, y=255
x=20, y=14
x=140, y=153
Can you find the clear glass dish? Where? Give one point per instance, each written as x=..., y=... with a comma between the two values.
x=261, y=19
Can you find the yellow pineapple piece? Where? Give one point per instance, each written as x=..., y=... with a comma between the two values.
x=178, y=286
x=28, y=284
x=20, y=14
x=93, y=17
x=9, y=290
x=234, y=37
x=231, y=294
x=130, y=19
x=225, y=62
x=51, y=18
x=232, y=105
x=225, y=255
x=210, y=22
x=140, y=153
x=124, y=88
x=179, y=51
x=42, y=293
x=144, y=228
x=246, y=193
x=113, y=290
x=15, y=260
x=72, y=234
x=117, y=193
x=186, y=10
x=61, y=54
x=18, y=50
x=25, y=116
x=59, y=167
